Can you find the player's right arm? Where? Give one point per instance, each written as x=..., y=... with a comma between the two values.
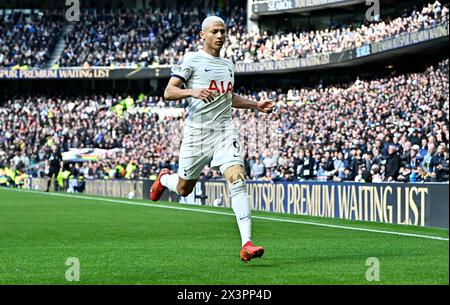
x=181, y=73
x=174, y=91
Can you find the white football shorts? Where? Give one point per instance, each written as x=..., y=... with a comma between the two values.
x=219, y=148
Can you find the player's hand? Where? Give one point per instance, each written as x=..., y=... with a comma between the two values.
x=203, y=94
x=265, y=106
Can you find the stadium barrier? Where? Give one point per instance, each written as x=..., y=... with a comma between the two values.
x=394, y=203
x=115, y=188
x=110, y=188
x=417, y=204
x=407, y=42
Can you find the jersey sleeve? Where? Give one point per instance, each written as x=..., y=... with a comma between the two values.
x=183, y=69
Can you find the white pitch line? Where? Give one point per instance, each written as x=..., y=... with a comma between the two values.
x=230, y=214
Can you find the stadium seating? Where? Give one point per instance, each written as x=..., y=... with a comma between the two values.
x=144, y=38
x=27, y=39
x=314, y=133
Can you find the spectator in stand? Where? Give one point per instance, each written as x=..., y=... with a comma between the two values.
x=393, y=163
x=307, y=171
x=412, y=161
x=427, y=164
x=257, y=169
x=439, y=164
x=339, y=166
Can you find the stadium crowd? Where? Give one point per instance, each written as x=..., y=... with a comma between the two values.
x=131, y=48
x=236, y=21
x=393, y=129
x=121, y=38
x=388, y=129
x=161, y=36
x=244, y=46
x=135, y=38
x=26, y=41
x=305, y=44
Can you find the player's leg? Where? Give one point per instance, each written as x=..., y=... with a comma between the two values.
x=183, y=182
x=234, y=176
x=185, y=187
x=227, y=157
x=174, y=183
x=178, y=185
x=196, y=152
x=240, y=202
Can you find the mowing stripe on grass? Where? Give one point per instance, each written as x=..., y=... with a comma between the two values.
x=230, y=214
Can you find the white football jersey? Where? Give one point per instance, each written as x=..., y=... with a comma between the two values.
x=202, y=70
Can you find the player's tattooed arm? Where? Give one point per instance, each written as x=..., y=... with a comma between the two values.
x=175, y=92
x=265, y=106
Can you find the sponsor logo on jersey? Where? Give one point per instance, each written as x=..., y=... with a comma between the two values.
x=214, y=86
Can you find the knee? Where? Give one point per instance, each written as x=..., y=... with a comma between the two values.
x=235, y=179
x=234, y=174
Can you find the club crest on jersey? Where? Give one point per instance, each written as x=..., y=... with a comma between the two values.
x=214, y=86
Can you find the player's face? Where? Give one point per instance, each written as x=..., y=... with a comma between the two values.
x=214, y=36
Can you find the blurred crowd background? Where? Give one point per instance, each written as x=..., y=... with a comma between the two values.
x=392, y=128
x=388, y=129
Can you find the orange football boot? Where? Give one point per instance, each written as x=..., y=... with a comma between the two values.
x=249, y=251
x=157, y=188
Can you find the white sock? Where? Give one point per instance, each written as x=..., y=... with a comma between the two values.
x=240, y=203
x=170, y=181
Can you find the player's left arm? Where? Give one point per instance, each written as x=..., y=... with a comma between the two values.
x=265, y=106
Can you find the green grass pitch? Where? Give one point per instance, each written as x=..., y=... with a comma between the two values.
x=119, y=243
